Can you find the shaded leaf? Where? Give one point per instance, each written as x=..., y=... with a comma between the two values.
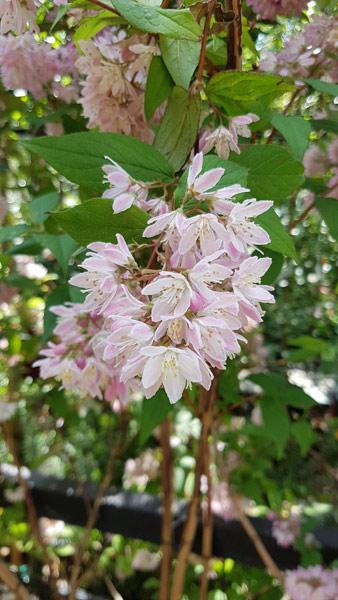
x=328, y=209
x=304, y=435
x=94, y=221
x=278, y=387
x=154, y=411
x=275, y=422
x=62, y=246
x=181, y=59
x=41, y=206
x=295, y=130
x=323, y=86
x=158, y=87
x=281, y=241
x=10, y=232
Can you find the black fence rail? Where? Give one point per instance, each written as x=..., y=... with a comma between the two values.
x=138, y=516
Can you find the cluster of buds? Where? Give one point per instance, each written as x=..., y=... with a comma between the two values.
x=174, y=321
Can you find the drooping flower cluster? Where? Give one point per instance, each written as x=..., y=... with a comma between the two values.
x=113, y=90
x=270, y=9
x=313, y=583
x=286, y=529
x=37, y=67
x=317, y=163
x=225, y=139
x=309, y=53
x=72, y=360
x=17, y=16
x=171, y=325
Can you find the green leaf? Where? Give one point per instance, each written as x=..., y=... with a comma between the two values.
x=181, y=59
x=323, y=86
x=62, y=246
x=325, y=124
x=276, y=266
x=274, y=174
x=281, y=241
x=10, y=232
x=154, y=411
x=304, y=435
x=80, y=156
x=328, y=209
x=158, y=87
x=41, y=206
x=278, y=387
x=58, y=296
x=90, y=26
x=178, y=130
x=94, y=221
x=295, y=130
x=276, y=422
x=228, y=385
x=308, y=347
x=174, y=23
x=238, y=91
x=217, y=52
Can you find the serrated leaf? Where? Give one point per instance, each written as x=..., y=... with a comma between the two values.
x=174, y=23
x=304, y=435
x=323, y=86
x=94, y=221
x=158, y=87
x=62, y=246
x=80, y=156
x=154, y=411
x=275, y=422
x=281, y=241
x=181, y=59
x=10, y=232
x=296, y=132
x=239, y=91
x=178, y=130
x=274, y=174
x=41, y=206
x=328, y=209
x=278, y=387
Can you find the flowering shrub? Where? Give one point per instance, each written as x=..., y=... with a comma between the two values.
x=168, y=208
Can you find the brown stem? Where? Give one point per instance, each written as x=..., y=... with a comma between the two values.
x=12, y=582
x=32, y=516
x=256, y=540
x=114, y=451
x=188, y=535
x=207, y=528
x=301, y=217
x=211, y=8
x=234, y=38
x=167, y=490
x=104, y=6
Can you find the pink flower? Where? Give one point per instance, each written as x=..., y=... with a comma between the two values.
x=246, y=279
x=223, y=140
x=285, y=531
x=173, y=296
x=175, y=329
x=241, y=232
x=270, y=9
x=205, y=229
x=239, y=125
x=198, y=184
x=15, y=15
x=127, y=337
x=175, y=369
x=213, y=340
x=160, y=223
x=124, y=190
x=207, y=272
x=315, y=162
x=312, y=583
x=100, y=281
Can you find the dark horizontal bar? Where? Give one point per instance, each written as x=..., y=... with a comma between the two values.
x=138, y=516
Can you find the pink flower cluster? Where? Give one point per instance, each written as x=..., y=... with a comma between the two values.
x=170, y=326
x=17, y=16
x=270, y=9
x=225, y=139
x=285, y=530
x=115, y=69
x=317, y=163
x=36, y=67
x=309, y=53
x=313, y=583
x=73, y=360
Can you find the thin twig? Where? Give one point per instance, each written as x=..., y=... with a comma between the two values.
x=211, y=8
x=301, y=217
x=256, y=540
x=330, y=470
x=207, y=528
x=12, y=582
x=115, y=594
x=167, y=490
x=114, y=451
x=234, y=37
x=189, y=531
